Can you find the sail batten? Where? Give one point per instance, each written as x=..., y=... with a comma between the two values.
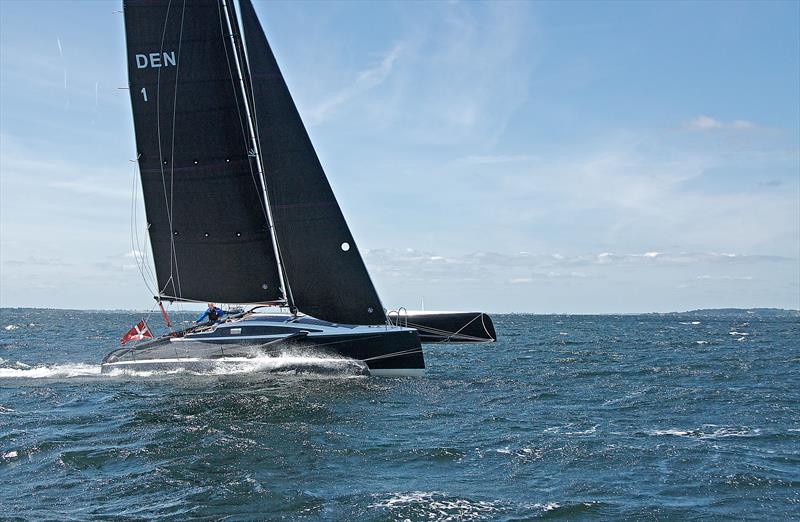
x=322, y=265
x=207, y=220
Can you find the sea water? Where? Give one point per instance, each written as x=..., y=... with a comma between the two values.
x=565, y=417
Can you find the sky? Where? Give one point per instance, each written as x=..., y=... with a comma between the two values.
x=546, y=157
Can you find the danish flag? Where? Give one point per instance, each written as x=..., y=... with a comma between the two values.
x=137, y=333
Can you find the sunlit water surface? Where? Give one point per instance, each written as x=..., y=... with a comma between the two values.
x=566, y=417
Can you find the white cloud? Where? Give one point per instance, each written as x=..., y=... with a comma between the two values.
x=588, y=282
x=724, y=278
x=704, y=123
x=90, y=186
x=457, y=75
x=364, y=81
x=632, y=190
x=21, y=164
x=420, y=262
x=37, y=261
x=500, y=158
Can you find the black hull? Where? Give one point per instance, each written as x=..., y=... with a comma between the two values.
x=447, y=327
x=382, y=352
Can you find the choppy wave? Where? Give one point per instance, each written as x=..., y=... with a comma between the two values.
x=436, y=505
x=12, y=327
x=709, y=431
x=569, y=430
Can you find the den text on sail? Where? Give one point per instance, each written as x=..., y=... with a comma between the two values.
x=162, y=59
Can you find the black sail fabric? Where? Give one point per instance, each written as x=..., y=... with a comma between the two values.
x=203, y=197
x=322, y=265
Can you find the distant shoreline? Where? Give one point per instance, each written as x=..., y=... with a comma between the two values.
x=701, y=312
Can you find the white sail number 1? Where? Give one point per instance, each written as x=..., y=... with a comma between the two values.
x=155, y=60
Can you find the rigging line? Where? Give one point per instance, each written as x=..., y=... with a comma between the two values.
x=238, y=109
x=251, y=98
x=444, y=333
x=287, y=290
x=172, y=151
x=236, y=97
x=163, y=290
x=457, y=333
x=141, y=262
x=463, y=327
x=284, y=287
x=140, y=246
x=233, y=87
x=394, y=354
x=132, y=220
x=172, y=256
x=262, y=190
x=134, y=245
x=483, y=324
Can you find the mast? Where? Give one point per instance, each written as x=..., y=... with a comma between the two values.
x=287, y=294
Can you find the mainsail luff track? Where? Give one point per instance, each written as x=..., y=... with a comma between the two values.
x=241, y=65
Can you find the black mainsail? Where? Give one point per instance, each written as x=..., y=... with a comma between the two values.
x=206, y=213
x=322, y=266
x=205, y=199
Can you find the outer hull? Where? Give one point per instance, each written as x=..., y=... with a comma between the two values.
x=447, y=327
x=308, y=344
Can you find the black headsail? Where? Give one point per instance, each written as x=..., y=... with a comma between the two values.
x=322, y=265
x=206, y=213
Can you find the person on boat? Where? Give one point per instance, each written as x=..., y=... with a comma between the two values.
x=213, y=313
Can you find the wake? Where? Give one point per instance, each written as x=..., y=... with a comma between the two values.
x=286, y=365
x=50, y=371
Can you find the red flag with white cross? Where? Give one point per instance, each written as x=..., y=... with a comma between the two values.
x=137, y=333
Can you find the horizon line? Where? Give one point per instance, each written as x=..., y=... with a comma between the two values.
x=140, y=310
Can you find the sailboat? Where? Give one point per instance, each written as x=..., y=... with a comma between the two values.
x=239, y=209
